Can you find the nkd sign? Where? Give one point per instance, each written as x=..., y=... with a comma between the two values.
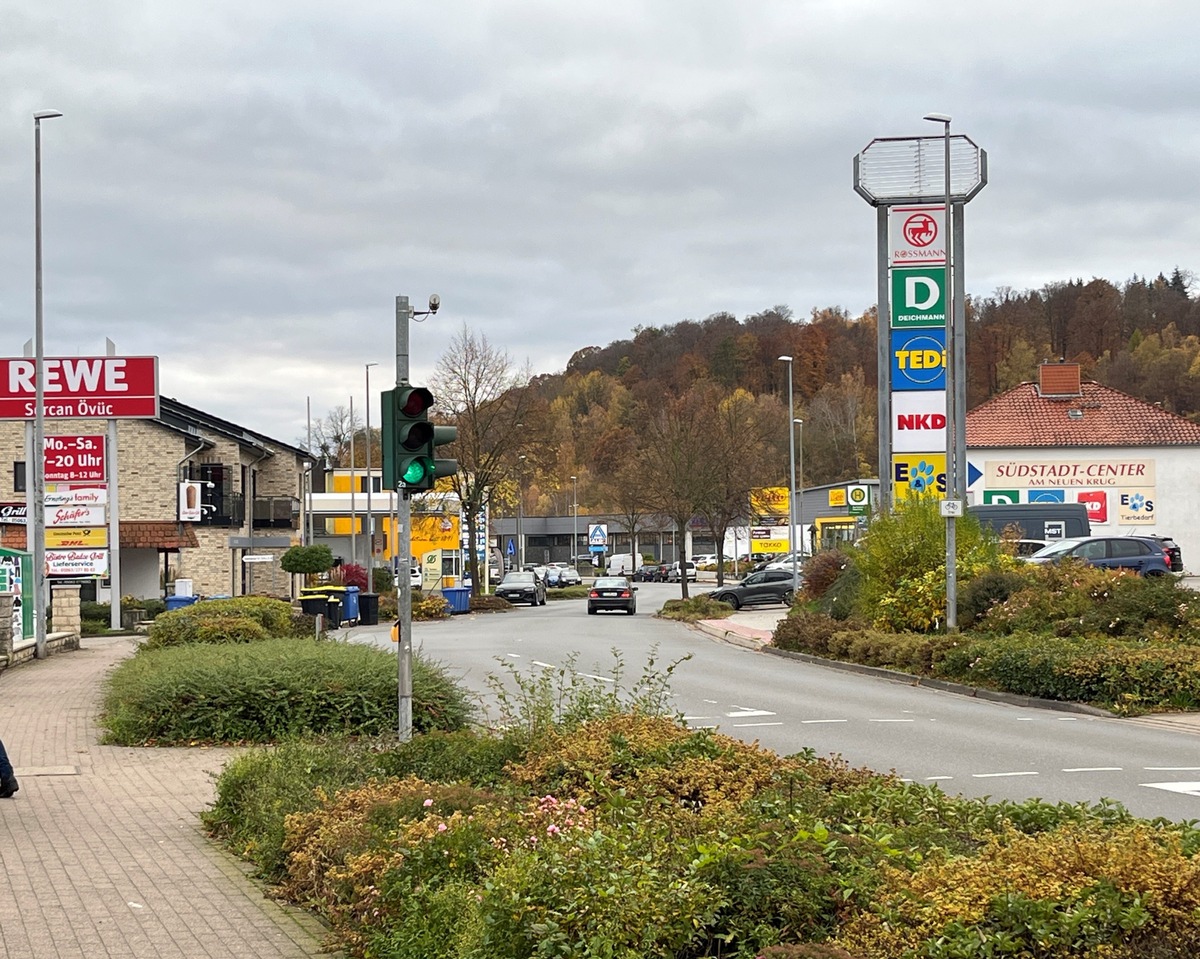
x=98, y=387
x=919, y=421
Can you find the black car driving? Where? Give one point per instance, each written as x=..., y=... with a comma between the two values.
x=757, y=589
x=612, y=593
x=523, y=587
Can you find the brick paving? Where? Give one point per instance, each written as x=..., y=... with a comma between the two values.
x=102, y=851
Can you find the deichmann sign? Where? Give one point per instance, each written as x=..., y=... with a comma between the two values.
x=77, y=562
x=918, y=297
x=74, y=459
x=100, y=387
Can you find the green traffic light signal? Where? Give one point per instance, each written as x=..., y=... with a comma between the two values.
x=408, y=439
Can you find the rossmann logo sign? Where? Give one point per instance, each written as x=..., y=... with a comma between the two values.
x=919, y=421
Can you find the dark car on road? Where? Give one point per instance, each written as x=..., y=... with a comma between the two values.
x=523, y=587
x=758, y=589
x=1145, y=555
x=612, y=592
x=661, y=571
x=569, y=577
x=645, y=573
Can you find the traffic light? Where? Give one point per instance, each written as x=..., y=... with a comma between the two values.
x=410, y=441
x=407, y=438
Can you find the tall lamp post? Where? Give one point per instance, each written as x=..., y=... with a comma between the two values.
x=520, y=510
x=952, y=412
x=574, y=518
x=800, y=501
x=39, y=403
x=792, y=487
x=370, y=519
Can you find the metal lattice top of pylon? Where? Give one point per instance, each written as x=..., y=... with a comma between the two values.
x=913, y=170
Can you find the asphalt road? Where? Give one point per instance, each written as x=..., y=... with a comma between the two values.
x=964, y=745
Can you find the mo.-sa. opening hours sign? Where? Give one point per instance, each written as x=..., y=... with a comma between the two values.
x=80, y=387
x=74, y=459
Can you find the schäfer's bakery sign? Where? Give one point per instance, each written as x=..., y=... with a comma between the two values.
x=80, y=387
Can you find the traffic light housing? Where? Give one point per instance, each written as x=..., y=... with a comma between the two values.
x=410, y=441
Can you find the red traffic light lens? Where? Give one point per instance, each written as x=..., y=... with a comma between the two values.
x=416, y=401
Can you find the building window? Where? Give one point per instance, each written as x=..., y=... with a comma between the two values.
x=18, y=477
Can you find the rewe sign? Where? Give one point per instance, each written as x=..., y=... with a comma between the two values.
x=99, y=387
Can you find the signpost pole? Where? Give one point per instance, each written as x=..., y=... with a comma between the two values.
x=114, y=515
x=404, y=535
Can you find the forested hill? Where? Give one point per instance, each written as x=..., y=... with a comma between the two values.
x=1141, y=337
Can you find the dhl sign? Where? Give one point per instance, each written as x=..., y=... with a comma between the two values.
x=66, y=537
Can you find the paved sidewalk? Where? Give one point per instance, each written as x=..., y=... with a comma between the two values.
x=102, y=853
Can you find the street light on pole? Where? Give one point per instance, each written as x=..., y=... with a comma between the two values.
x=520, y=510
x=574, y=518
x=800, y=501
x=952, y=411
x=39, y=405
x=370, y=520
x=792, y=487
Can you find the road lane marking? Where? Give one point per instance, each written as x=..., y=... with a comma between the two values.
x=740, y=712
x=810, y=722
x=1001, y=775
x=747, y=725
x=934, y=779
x=538, y=662
x=513, y=655
x=1068, y=719
x=891, y=720
x=603, y=679
x=1094, y=769
x=691, y=719
x=1188, y=789
x=1172, y=769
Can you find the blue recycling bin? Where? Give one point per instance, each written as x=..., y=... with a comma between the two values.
x=178, y=602
x=350, y=604
x=459, y=598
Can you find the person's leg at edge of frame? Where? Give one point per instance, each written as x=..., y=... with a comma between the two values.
x=8, y=780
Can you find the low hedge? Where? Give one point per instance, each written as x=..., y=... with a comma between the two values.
x=271, y=690
x=239, y=620
x=1128, y=677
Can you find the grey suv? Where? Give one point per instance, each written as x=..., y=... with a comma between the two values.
x=758, y=589
x=1145, y=555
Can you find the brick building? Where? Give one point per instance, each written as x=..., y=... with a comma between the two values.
x=233, y=474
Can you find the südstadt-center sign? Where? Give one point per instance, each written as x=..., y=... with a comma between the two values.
x=81, y=387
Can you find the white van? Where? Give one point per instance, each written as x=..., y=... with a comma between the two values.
x=621, y=564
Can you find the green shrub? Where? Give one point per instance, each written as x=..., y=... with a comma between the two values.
x=382, y=580
x=97, y=611
x=822, y=570
x=1055, y=599
x=94, y=627
x=695, y=608
x=427, y=606
x=841, y=599
x=202, y=622
x=270, y=690
x=568, y=592
x=803, y=631
x=985, y=591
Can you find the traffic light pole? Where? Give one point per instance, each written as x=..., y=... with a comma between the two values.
x=404, y=530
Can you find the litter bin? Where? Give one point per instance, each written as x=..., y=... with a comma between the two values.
x=178, y=602
x=459, y=598
x=350, y=604
x=368, y=609
x=333, y=618
x=314, y=604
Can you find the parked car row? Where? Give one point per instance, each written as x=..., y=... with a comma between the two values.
x=1145, y=555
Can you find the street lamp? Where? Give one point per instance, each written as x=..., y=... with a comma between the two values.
x=370, y=519
x=952, y=412
x=575, y=519
x=520, y=510
x=800, y=501
x=792, y=488
x=39, y=402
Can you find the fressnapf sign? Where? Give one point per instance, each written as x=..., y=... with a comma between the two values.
x=81, y=387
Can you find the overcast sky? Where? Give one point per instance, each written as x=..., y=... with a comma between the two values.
x=243, y=188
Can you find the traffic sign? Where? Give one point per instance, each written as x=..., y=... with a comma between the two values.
x=511, y=549
x=258, y=558
x=858, y=499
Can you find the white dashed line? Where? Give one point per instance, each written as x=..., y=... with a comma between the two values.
x=891, y=720
x=1094, y=769
x=813, y=722
x=748, y=725
x=740, y=712
x=1172, y=769
x=603, y=679
x=934, y=779
x=1068, y=719
x=538, y=662
x=1001, y=775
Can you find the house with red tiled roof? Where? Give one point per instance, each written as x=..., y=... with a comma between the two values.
x=1060, y=439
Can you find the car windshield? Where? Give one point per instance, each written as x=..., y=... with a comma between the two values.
x=611, y=582
x=1057, y=549
x=520, y=578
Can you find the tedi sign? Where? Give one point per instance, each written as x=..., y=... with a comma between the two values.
x=81, y=387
